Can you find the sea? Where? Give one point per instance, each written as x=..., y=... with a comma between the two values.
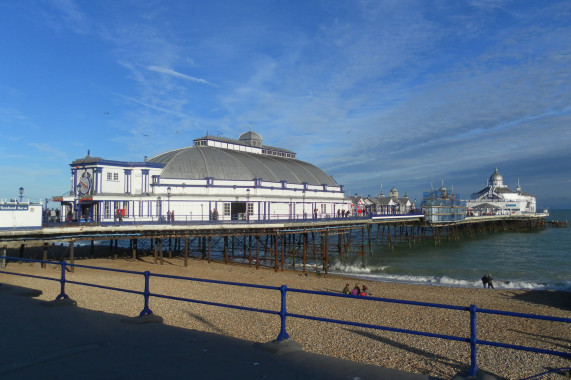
x=538, y=260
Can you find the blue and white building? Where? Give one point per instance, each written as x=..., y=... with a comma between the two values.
x=216, y=178
x=498, y=199
x=20, y=215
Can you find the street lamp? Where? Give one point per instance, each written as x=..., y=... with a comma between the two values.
x=169, y=203
x=21, y=193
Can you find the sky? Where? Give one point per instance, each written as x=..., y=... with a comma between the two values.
x=377, y=93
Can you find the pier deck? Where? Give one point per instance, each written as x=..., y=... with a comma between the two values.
x=309, y=242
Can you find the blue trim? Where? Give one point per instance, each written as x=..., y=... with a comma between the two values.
x=213, y=185
x=97, y=161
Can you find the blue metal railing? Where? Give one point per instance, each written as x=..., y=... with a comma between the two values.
x=283, y=314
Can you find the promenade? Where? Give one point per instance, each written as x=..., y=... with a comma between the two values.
x=55, y=340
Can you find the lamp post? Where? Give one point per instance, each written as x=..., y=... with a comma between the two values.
x=169, y=203
x=21, y=193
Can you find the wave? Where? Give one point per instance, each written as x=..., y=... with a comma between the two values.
x=366, y=274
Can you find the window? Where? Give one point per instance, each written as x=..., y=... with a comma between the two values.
x=158, y=211
x=115, y=176
x=126, y=208
x=226, y=208
x=109, y=176
x=250, y=209
x=323, y=208
x=108, y=209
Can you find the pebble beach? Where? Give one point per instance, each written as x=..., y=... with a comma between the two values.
x=431, y=356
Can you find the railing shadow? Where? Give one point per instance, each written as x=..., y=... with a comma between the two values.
x=472, y=340
x=558, y=299
x=455, y=364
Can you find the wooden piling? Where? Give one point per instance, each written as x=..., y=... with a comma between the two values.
x=71, y=255
x=44, y=255
x=186, y=242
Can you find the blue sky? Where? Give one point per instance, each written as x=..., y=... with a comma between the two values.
x=390, y=92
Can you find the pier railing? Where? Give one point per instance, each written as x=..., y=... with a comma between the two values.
x=473, y=341
x=227, y=219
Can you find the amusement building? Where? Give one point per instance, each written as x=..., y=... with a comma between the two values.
x=215, y=179
x=442, y=206
x=498, y=199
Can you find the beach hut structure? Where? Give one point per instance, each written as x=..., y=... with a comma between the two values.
x=391, y=205
x=216, y=178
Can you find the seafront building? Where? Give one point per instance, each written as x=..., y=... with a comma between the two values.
x=496, y=198
x=215, y=179
x=20, y=215
x=383, y=205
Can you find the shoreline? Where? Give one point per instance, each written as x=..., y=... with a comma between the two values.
x=59, y=251
x=436, y=357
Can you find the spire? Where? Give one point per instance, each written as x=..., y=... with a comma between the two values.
x=518, y=186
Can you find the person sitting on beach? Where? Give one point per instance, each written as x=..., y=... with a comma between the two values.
x=365, y=292
x=356, y=290
x=346, y=289
x=487, y=280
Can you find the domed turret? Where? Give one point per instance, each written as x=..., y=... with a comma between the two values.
x=496, y=179
x=251, y=138
x=394, y=193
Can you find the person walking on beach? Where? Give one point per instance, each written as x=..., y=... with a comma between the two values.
x=487, y=281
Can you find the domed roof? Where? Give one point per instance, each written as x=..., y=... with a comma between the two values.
x=496, y=176
x=200, y=162
x=250, y=135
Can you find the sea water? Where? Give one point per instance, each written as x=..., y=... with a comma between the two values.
x=516, y=260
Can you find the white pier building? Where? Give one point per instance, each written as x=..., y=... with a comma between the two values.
x=498, y=199
x=216, y=178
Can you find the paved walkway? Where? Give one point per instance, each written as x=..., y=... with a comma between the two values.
x=55, y=340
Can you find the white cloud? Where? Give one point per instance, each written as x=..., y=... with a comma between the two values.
x=173, y=73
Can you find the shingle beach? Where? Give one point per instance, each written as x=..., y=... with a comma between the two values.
x=432, y=356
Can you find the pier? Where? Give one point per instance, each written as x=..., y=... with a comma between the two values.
x=300, y=244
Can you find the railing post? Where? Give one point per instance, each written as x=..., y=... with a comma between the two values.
x=62, y=294
x=473, y=341
x=146, y=294
x=283, y=334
